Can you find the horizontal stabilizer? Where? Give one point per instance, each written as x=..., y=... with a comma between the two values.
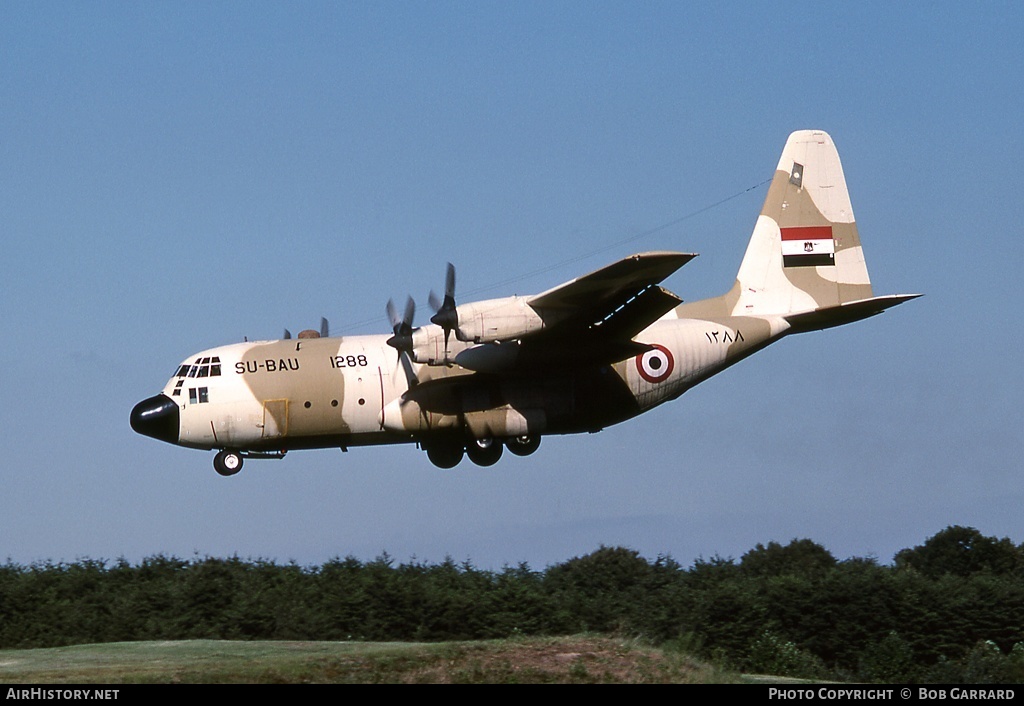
x=830, y=316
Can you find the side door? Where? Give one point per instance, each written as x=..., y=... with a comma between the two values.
x=275, y=418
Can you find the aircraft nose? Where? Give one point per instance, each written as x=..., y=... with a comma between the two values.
x=157, y=417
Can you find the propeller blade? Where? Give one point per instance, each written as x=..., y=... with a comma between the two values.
x=449, y=280
x=410, y=313
x=287, y=334
x=447, y=316
x=410, y=373
x=325, y=329
x=392, y=315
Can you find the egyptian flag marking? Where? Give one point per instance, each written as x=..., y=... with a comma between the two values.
x=808, y=246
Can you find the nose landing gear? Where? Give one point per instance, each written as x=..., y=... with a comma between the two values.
x=227, y=462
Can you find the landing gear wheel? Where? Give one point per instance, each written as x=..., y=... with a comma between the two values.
x=227, y=462
x=445, y=455
x=484, y=452
x=523, y=445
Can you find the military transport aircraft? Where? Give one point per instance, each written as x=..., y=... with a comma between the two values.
x=496, y=374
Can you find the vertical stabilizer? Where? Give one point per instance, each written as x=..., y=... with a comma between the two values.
x=805, y=253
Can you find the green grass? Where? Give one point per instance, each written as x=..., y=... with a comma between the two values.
x=581, y=659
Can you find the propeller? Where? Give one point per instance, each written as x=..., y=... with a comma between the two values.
x=402, y=339
x=447, y=316
x=402, y=326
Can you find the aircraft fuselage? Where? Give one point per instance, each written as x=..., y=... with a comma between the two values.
x=500, y=373
x=269, y=396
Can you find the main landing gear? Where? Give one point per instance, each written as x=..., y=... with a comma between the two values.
x=482, y=452
x=522, y=445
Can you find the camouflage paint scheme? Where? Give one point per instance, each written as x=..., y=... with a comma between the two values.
x=582, y=356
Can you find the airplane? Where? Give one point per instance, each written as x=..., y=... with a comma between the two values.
x=500, y=374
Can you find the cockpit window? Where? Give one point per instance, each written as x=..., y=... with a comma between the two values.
x=201, y=368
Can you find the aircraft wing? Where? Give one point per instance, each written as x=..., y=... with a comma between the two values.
x=619, y=300
x=594, y=317
x=612, y=285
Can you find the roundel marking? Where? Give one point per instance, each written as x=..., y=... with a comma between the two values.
x=656, y=364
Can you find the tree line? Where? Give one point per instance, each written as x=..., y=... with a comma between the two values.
x=950, y=610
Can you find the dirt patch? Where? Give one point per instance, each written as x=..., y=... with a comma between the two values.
x=575, y=660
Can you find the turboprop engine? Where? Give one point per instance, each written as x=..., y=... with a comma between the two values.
x=497, y=320
x=486, y=337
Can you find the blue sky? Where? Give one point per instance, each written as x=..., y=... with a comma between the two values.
x=177, y=176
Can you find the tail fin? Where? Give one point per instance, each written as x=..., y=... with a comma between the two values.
x=804, y=261
x=805, y=252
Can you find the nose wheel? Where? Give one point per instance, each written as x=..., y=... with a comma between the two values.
x=227, y=462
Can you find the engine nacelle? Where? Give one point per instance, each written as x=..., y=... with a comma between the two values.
x=490, y=357
x=428, y=346
x=483, y=322
x=497, y=320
